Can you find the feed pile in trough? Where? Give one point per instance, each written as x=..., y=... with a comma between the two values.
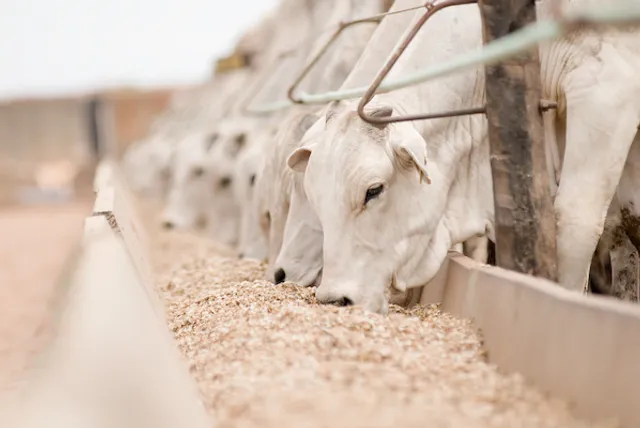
x=268, y=355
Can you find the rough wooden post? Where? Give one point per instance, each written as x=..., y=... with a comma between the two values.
x=525, y=220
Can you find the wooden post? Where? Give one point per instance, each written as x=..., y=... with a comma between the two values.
x=524, y=215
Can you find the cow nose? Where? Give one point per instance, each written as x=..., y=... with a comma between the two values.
x=241, y=256
x=168, y=225
x=279, y=276
x=329, y=298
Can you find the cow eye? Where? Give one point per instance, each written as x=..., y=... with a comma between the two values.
x=252, y=180
x=225, y=182
x=373, y=192
x=197, y=171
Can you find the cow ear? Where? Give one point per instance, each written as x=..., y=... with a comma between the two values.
x=412, y=153
x=299, y=159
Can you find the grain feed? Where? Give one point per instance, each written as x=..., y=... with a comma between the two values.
x=268, y=355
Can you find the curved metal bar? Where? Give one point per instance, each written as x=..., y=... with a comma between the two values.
x=246, y=108
x=432, y=8
x=341, y=27
x=625, y=13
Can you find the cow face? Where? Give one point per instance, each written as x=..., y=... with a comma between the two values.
x=201, y=195
x=274, y=190
x=369, y=187
x=251, y=243
x=189, y=195
x=148, y=166
x=300, y=258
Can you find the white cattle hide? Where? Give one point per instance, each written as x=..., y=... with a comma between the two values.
x=146, y=165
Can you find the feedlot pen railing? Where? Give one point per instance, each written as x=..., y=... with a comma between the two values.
x=622, y=13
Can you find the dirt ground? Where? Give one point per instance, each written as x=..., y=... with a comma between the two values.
x=35, y=245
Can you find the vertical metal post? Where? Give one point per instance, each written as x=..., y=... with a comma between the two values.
x=525, y=219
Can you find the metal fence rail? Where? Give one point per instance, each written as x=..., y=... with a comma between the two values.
x=623, y=13
x=337, y=30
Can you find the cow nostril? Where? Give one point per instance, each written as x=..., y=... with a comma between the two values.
x=168, y=225
x=279, y=276
x=345, y=301
x=241, y=256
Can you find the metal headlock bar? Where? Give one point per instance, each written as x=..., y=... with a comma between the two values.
x=560, y=25
x=278, y=105
x=247, y=109
x=336, y=34
x=341, y=27
x=432, y=8
x=624, y=13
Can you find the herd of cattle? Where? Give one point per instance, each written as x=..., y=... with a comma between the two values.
x=356, y=209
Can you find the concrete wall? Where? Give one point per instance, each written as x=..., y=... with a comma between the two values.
x=132, y=114
x=35, y=132
x=42, y=130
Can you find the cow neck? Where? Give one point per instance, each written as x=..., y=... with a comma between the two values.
x=457, y=147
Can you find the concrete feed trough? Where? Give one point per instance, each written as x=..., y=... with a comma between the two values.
x=111, y=362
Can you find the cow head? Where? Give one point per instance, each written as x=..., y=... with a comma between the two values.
x=274, y=191
x=202, y=190
x=380, y=203
x=300, y=257
x=189, y=194
x=251, y=242
x=147, y=164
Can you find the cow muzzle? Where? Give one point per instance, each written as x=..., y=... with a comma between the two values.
x=344, y=297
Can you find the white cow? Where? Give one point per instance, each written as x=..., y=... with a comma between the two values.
x=185, y=206
x=192, y=202
x=274, y=182
x=252, y=243
x=393, y=199
x=295, y=251
x=146, y=164
x=201, y=195
x=208, y=201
